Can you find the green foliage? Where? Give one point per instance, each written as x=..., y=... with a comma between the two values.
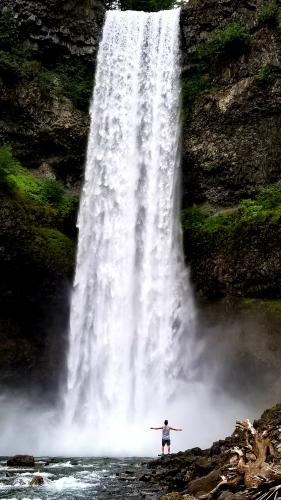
x=8, y=29
x=272, y=307
x=270, y=14
x=145, y=5
x=52, y=249
x=52, y=191
x=22, y=183
x=267, y=73
x=15, y=67
x=193, y=87
x=266, y=207
x=77, y=82
x=73, y=78
x=270, y=198
x=231, y=41
x=7, y=166
x=37, y=211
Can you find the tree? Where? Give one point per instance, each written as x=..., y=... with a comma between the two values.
x=145, y=5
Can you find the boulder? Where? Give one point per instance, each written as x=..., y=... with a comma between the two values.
x=37, y=481
x=21, y=461
x=204, y=484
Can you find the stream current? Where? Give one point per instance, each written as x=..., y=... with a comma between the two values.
x=75, y=479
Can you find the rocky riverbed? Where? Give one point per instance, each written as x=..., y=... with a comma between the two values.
x=79, y=478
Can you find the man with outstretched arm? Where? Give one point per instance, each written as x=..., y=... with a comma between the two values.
x=166, y=441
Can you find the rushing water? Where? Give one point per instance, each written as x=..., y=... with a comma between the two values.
x=71, y=479
x=132, y=310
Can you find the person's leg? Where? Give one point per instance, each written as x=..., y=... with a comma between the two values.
x=169, y=446
x=162, y=450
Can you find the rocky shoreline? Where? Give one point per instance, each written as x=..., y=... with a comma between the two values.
x=246, y=464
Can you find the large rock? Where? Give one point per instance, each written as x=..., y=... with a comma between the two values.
x=37, y=481
x=21, y=461
x=204, y=484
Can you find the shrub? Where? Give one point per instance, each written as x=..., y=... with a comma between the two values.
x=231, y=41
x=22, y=183
x=7, y=166
x=146, y=5
x=193, y=87
x=267, y=73
x=269, y=14
x=52, y=249
x=52, y=191
x=206, y=224
x=8, y=29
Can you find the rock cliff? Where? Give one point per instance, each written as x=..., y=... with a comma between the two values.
x=231, y=162
x=231, y=146
x=47, y=62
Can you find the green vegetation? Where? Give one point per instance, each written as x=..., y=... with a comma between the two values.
x=8, y=29
x=193, y=87
x=272, y=307
x=231, y=41
x=269, y=415
x=73, y=79
x=206, y=224
x=267, y=73
x=53, y=248
x=270, y=14
x=38, y=212
x=7, y=166
x=146, y=5
x=77, y=81
x=22, y=183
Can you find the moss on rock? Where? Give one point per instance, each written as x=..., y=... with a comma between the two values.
x=53, y=250
x=237, y=248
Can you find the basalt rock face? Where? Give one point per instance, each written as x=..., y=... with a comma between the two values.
x=47, y=62
x=59, y=28
x=47, y=71
x=232, y=144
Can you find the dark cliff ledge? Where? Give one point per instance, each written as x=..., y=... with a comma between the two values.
x=232, y=146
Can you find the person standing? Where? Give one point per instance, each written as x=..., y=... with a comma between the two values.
x=166, y=441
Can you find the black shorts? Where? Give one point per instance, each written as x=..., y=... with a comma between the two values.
x=166, y=442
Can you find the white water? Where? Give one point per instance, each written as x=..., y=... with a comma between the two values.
x=132, y=313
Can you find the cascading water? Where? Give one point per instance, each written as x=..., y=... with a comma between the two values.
x=132, y=311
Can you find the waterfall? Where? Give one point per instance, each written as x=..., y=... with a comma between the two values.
x=132, y=312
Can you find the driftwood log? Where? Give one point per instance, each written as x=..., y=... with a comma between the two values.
x=248, y=466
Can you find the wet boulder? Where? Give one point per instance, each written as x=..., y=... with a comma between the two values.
x=37, y=481
x=21, y=461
